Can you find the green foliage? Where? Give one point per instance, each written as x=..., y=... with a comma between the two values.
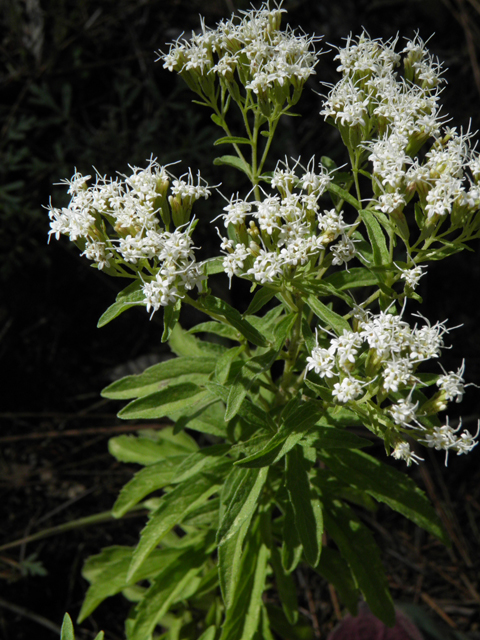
x=275, y=475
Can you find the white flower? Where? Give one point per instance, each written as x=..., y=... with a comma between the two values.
x=453, y=384
x=402, y=451
x=322, y=362
x=412, y=276
x=396, y=373
x=346, y=347
x=403, y=412
x=346, y=390
x=343, y=251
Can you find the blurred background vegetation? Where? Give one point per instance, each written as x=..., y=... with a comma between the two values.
x=80, y=88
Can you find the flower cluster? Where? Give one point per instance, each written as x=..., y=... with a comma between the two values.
x=125, y=223
x=286, y=230
x=392, y=117
x=265, y=59
x=381, y=358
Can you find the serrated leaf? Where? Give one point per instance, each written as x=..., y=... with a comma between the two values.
x=132, y=296
x=174, y=507
x=329, y=317
x=235, y=162
x=358, y=548
x=232, y=140
x=307, y=508
x=161, y=403
x=386, y=484
x=381, y=255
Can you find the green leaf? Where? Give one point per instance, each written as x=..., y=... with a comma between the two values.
x=232, y=140
x=212, y=266
x=344, y=195
x=292, y=430
x=337, y=572
x=224, y=363
x=307, y=508
x=386, y=484
x=168, y=587
x=328, y=316
x=184, y=344
x=142, y=384
x=243, y=616
x=243, y=503
x=205, y=417
x=353, y=278
x=174, y=507
x=285, y=585
x=291, y=546
x=143, y=451
x=160, y=403
x=107, y=573
x=376, y=236
x=251, y=413
x=337, y=438
x=217, y=328
x=229, y=562
x=151, y=478
x=67, y=632
x=209, y=634
x=236, y=163
x=220, y=307
x=358, y=548
x=131, y=296
x=259, y=300
x=171, y=314
x=151, y=446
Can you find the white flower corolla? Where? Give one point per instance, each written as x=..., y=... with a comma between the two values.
x=367, y=55
x=390, y=202
x=404, y=412
x=445, y=438
x=412, y=276
x=346, y=347
x=453, y=384
x=268, y=56
x=267, y=267
x=403, y=451
x=427, y=341
x=397, y=373
x=346, y=104
x=322, y=361
x=343, y=251
x=348, y=389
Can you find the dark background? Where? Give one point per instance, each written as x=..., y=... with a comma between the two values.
x=79, y=87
